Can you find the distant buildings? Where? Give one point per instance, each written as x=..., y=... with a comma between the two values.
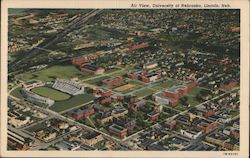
x=150, y=65
x=134, y=74
x=83, y=60
x=67, y=86
x=223, y=140
x=138, y=46
x=228, y=85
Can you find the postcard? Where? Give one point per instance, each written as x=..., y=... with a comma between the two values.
x=113, y=78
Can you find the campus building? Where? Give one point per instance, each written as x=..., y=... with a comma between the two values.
x=92, y=138
x=32, y=84
x=112, y=81
x=91, y=69
x=118, y=131
x=136, y=105
x=68, y=86
x=134, y=74
x=171, y=95
x=110, y=115
x=79, y=114
x=83, y=60
x=150, y=77
x=153, y=116
x=103, y=92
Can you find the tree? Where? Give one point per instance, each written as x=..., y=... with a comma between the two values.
x=184, y=100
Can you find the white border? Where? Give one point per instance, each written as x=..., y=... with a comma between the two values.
x=244, y=81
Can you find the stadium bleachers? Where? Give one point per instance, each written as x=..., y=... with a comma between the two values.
x=68, y=86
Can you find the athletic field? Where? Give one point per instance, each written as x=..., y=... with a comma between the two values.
x=50, y=93
x=124, y=87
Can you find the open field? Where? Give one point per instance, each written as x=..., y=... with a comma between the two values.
x=51, y=93
x=144, y=92
x=163, y=85
x=51, y=73
x=196, y=90
x=124, y=87
x=72, y=102
x=97, y=81
x=17, y=93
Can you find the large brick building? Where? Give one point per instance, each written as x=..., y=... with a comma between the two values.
x=79, y=114
x=91, y=69
x=150, y=77
x=118, y=131
x=103, y=92
x=171, y=96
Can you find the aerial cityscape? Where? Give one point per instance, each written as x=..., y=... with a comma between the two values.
x=123, y=79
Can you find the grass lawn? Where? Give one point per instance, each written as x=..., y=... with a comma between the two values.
x=17, y=93
x=96, y=81
x=191, y=100
x=72, y=102
x=196, y=90
x=163, y=85
x=144, y=92
x=51, y=73
x=117, y=73
x=51, y=93
x=89, y=122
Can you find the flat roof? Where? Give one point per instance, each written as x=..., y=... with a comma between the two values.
x=90, y=67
